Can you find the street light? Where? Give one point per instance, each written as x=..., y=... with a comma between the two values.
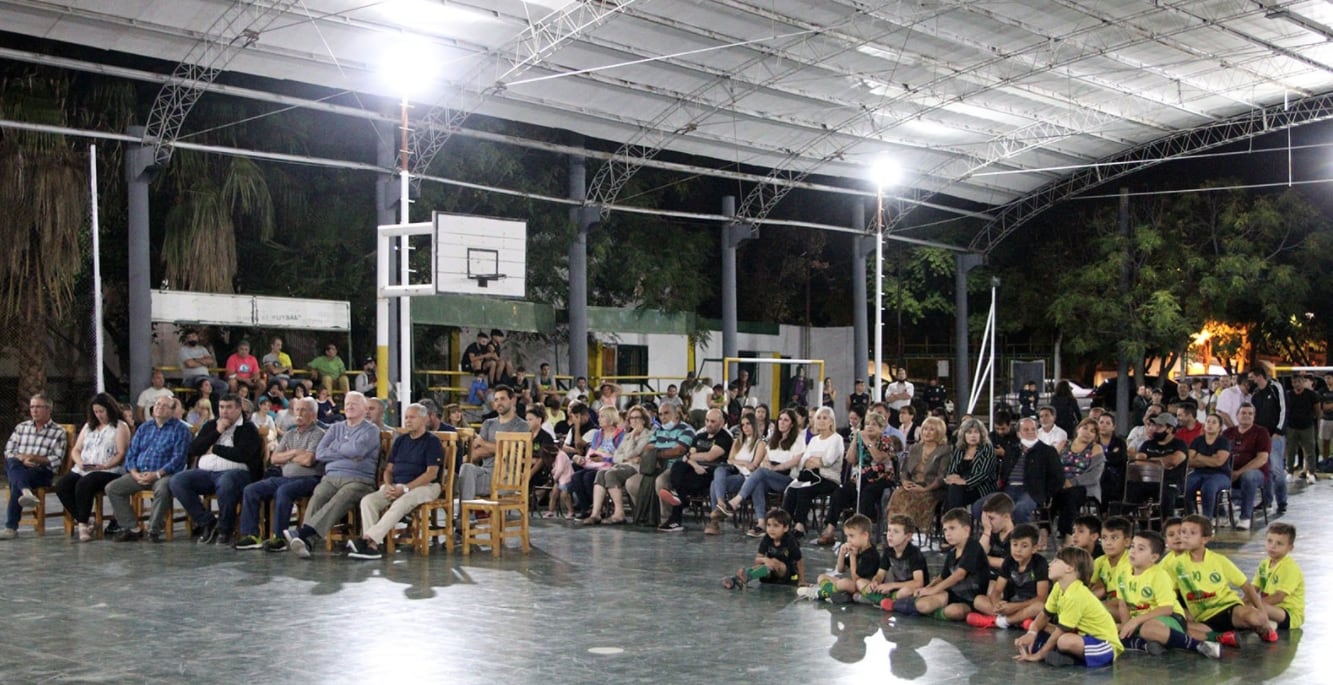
x=408, y=68
x=884, y=173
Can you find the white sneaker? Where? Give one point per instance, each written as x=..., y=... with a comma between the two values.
x=807, y=592
x=1309, y=478
x=1210, y=649
x=1243, y=524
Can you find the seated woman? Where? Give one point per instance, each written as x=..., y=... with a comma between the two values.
x=781, y=455
x=201, y=414
x=600, y=455
x=637, y=437
x=747, y=453
x=973, y=470
x=922, y=476
x=1210, y=467
x=99, y=455
x=874, y=470
x=1083, y=463
x=821, y=469
x=574, y=446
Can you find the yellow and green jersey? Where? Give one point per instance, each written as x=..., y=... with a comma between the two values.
x=1106, y=574
x=1207, y=585
x=1149, y=590
x=1075, y=607
x=1284, y=576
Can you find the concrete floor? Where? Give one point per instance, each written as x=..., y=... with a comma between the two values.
x=125, y=613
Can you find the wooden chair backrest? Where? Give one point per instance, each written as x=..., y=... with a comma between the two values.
x=71, y=434
x=450, y=442
x=263, y=446
x=513, y=462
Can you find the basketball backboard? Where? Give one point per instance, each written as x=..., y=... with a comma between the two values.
x=480, y=255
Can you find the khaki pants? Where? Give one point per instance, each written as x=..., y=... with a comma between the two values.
x=377, y=503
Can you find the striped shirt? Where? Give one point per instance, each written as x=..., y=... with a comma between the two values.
x=49, y=441
x=159, y=448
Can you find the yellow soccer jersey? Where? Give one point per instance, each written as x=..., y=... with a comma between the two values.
x=1147, y=591
x=1207, y=585
x=1076, y=607
x=1286, y=577
x=1106, y=574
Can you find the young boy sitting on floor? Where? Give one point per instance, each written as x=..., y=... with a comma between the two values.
x=1075, y=626
x=902, y=566
x=1206, y=579
x=1019, y=592
x=858, y=562
x=779, y=558
x=964, y=575
x=1087, y=535
x=1279, y=580
x=1116, y=532
x=997, y=527
x=1171, y=533
x=1150, y=617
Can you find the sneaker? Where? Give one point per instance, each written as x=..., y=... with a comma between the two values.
x=841, y=597
x=8, y=534
x=207, y=534
x=1230, y=639
x=157, y=537
x=671, y=527
x=249, y=542
x=1027, y=624
x=886, y=604
x=360, y=549
x=128, y=536
x=85, y=532
x=1210, y=649
x=275, y=544
x=1057, y=658
x=1309, y=478
x=669, y=497
x=712, y=529
x=807, y=592
x=224, y=538
x=724, y=507
x=1243, y=524
x=111, y=528
x=296, y=544
x=1270, y=636
x=980, y=620
x=1154, y=648
x=27, y=500
x=755, y=532
x=1281, y=510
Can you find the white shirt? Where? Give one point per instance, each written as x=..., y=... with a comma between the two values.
x=830, y=451
x=212, y=462
x=699, y=399
x=1229, y=401
x=149, y=397
x=899, y=387
x=1054, y=437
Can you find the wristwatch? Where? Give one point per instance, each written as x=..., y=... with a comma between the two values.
x=406, y=489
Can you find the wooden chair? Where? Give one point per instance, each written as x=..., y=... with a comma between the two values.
x=351, y=525
x=426, y=523
x=39, y=513
x=509, y=492
x=208, y=500
x=141, y=502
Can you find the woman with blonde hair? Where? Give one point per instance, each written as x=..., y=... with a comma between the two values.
x=922, y=475
x=625, y=463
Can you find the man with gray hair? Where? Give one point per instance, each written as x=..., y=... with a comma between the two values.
x=295, y=455
x=349, y=452
x=409, y=481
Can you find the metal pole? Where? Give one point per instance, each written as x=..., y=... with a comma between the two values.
x=860, y=336
x=1122, y=365
x=878, y=393
x=404, y=277
x=994, y=333
x=578, y=269
x=139, y=171
x=729, y=316
x=97, y=272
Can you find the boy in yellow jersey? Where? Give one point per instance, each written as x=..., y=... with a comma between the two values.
x=1171, y=533
x=1150, y=617
x=1075, y=626
x=1116, y=532
x=1206, y=578
x=1279, y=580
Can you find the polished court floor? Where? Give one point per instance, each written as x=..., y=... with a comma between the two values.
x=607, y=605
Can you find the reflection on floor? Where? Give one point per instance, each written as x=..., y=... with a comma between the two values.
x=607, y=605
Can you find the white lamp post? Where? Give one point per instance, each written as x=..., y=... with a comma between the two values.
x=884, y=173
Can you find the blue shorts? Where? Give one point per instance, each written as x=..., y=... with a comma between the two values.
x=1096, y=653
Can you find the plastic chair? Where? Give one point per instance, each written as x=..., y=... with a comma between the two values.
x=509, y=492
x=1145, y=490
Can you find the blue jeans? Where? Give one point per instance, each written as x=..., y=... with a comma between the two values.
x=1277, y=470
x=1023, y=504
x=20, y=478
x=757, y=486
x=188, y=486
x=1207, y=485
x=1246, y=487
x=723, y=482
x=283, y=491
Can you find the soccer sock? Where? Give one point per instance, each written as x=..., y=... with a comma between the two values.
x=1001, y=622
x=1213, y=635
x=1179, y=640
x=1135, y=643
x=939, y=614
x=826, y=589
x=757, y=572
x=906, y=606
x=873, y=597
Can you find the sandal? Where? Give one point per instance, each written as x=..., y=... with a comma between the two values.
x=548, y=515
x=726, y=509
x=615, y=521
x=591, y=521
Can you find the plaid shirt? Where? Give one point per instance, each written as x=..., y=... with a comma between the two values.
x=50, y=442
x=158, y=448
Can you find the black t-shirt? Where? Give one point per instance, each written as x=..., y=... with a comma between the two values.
x=999, y=549
x=1327, y=398
x=936, y=396
x=788, y=551
x=972, y=559
x=1153, y=449
x=860, y=401
x=703, y=442
x=1021, y=585
x=867, y=564
x=899, y=569
x=474, y=349
x=1027, y=402
x=1300, y=409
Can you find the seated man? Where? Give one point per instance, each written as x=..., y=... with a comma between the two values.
x=474, y=477
x=157, y=450
x=230, y=458
x=1250, y=448
x=300, y=473
x=693, y=474
x=196, y=364
x=157, y=388
x=243, y=369
x=1031, y=473
x=328, y=370
x=410, y=480
x=32, y=458
x=350, y=453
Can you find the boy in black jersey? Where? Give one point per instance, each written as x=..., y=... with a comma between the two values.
x=902, y=566
x=779, y=558
x=997, y=529
x=1019, y=591
x=964, y=576
x=858, y=562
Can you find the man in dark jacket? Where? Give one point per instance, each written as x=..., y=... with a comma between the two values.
x=229, y=458
x=1030, y=474
x=1270, y=411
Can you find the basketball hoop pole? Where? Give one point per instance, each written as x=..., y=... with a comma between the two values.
x=404, y=278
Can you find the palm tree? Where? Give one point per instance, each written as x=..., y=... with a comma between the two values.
x=42, y=190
